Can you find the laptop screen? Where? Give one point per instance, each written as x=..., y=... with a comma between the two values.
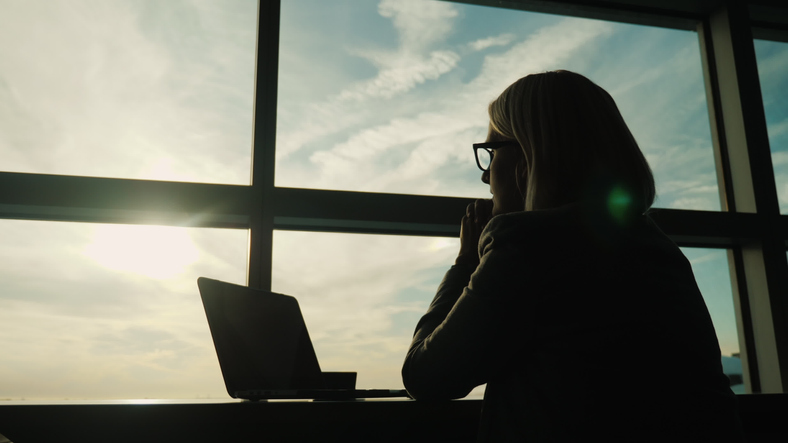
x=260, y=338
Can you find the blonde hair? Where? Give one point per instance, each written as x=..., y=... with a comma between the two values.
x=575, y=142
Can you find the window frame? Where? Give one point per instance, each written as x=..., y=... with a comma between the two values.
x=749, y=225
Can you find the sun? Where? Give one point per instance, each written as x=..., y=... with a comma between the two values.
x=158, y=252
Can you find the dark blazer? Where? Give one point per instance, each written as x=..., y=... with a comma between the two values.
x=569, y=318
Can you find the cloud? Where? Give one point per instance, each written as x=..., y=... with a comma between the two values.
x=421, y=26
x=401, y=73
x=484, y=43
x=421, y=23
x=714, y=255
x=65, y=314
x=74, y=328
x=112, y=88
x=361, y=295
x=453, y=120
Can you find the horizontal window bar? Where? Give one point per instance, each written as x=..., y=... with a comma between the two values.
x=88, y=199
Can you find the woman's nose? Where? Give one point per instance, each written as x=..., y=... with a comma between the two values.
x=486, y=177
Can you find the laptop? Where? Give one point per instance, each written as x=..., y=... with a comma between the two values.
x=264, y=348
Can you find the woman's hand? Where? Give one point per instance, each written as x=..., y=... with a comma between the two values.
x=473, y=222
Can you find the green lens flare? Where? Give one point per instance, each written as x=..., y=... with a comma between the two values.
x=619, y=203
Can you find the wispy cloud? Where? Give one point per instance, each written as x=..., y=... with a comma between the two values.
x=484, y=43
x=705, y=258
x=421, y=27
x=453, y=120
x=400, y=73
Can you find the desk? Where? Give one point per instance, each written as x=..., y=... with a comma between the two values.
x=763, y=417
x=362, y=421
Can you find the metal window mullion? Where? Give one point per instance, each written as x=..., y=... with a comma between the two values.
x=113, y=200
x=263, y=149
x=741, y=143
x=648, y=13
x=747, y=348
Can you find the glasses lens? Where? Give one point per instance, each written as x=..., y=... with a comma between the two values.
x=484, y=157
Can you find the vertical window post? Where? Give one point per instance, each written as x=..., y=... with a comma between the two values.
x=741, y=142
x=263, y=141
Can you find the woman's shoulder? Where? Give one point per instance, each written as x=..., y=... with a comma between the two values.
x=532, y=225
x=533, y=232
x=514, y=221
x=573, y=226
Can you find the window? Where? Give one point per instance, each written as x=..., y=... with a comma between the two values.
x=394, y=102
x=183, y=158
x=711, y=272
x=772, y=67
x=361, y=295
x=128, y=89
x=109, y=310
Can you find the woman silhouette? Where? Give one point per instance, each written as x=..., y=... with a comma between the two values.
x=565, y=294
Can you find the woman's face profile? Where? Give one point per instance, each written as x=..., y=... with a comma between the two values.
x=502, y=178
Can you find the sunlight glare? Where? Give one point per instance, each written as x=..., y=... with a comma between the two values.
x=440, y=244
x=158, y=252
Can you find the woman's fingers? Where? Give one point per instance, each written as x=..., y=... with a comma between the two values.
x=477, y=214
x=482, y=209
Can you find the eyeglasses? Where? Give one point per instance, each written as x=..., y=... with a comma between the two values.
x=484, y=152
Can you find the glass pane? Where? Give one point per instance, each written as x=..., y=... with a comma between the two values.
x=772, y=58
x=361, y=296
x=128, y=88
x=389, y=95
x=713, y=276
x=95, y=311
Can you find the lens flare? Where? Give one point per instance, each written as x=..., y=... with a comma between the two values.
x=619, y=204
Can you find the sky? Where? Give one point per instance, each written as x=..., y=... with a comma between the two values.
x=383, y=96
x=772, y=61
x=429, y=73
